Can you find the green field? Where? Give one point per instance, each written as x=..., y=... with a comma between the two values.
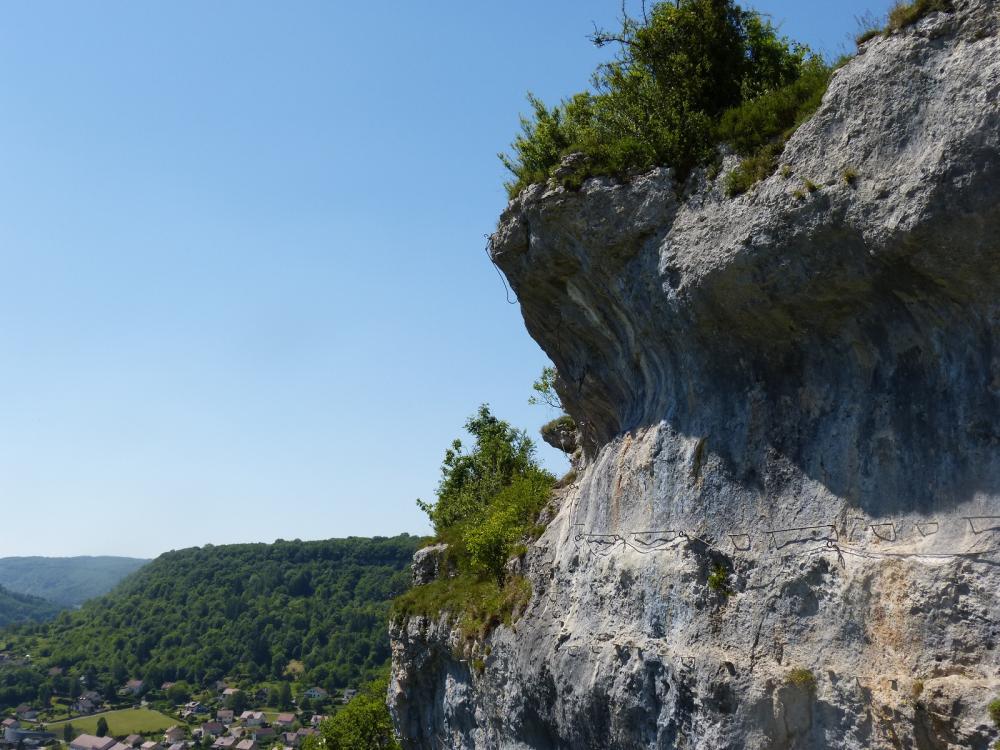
x=120, y=723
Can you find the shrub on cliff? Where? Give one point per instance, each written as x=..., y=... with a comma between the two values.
x=488, y=497
x=662, y=100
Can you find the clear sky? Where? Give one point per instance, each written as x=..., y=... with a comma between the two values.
x=243, y=288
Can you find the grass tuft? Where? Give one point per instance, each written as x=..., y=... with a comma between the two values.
x=801, y=678
x=905, y=14
x=476, y=604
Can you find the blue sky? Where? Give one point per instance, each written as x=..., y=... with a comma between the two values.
x=243, y=291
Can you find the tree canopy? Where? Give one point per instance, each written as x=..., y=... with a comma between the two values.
x=247, y=610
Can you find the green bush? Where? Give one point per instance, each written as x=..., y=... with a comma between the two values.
x=470, y=480
x=994, y=709
x=491, y=538
x=363, y=724
x=718, y=581
x=661, y=101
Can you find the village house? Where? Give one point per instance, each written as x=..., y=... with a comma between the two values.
x=25, y=712
x=211, y=729
x=120, y=746
x=291, y=739
x=225, y=715
x=176, y=746
x=90, y=742
x=237, y=732
x=252, y=718
x=307, y=732
x=134, y=740
x=348, y=695
x=20, y=737
x=174, y=735
x=284, y=720
x=167, y=685
x=316, y=694
x=246, y=745
x=224, y=743
x=263, y=734
x=10, y=724
x=317, y=719
x=133, y=687
x=88, y=702
x=230, y=692
x=150, y=745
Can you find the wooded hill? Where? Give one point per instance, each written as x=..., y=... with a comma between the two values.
x=312, y=612
x=16, y=607
x=68, y=581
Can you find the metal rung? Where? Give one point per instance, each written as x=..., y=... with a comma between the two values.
x=994, y=520
x=741, y=542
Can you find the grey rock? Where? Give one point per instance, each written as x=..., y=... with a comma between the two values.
x=570, y=165
x=429, y=563
x=562, y=435
x=804, y=394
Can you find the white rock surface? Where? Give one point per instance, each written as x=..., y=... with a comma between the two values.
x=804, y=392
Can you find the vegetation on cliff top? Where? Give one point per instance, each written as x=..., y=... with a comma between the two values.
x=900, y=16
x=688, y=77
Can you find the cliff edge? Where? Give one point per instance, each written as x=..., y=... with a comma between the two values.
x=785, y=530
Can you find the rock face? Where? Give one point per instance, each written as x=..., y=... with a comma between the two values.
x=785, y=529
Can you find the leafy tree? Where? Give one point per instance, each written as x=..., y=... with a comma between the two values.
x=68, y=733
x=199, y=615
x=179, y=692
x=470, y=480
x=363, y=724
x=545, y=390
x=237, y=702
x=285, y=696
x=102, y=727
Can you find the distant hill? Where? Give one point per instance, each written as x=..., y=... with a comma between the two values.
x=16, y=608
x=68, y=581
x=315, y=612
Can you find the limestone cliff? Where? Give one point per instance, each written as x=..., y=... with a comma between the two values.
x=800, y=387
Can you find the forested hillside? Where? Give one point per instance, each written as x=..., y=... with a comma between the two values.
x=310, y=612
x=65, y=580
x=21, y=607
